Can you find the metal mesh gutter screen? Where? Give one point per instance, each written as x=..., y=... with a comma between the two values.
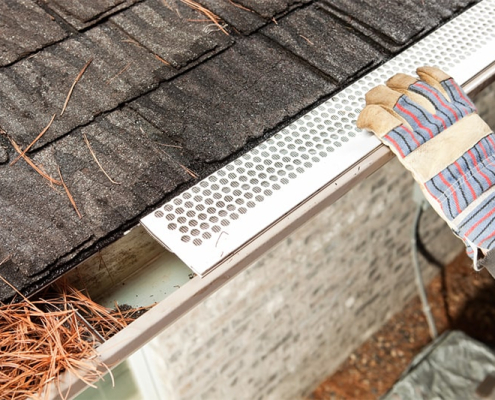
x=212, y=219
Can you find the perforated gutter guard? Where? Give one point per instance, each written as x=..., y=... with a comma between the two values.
x=213, y=219
x=326, y=156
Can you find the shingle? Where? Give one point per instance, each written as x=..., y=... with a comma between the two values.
x=34, y=89
x=37, y=226
x=314, y=35
x=394, y=24
x=398, y=21
x=175, y=35
x=3, y=156
x=86, y=10
x=440, y=9
x=40, y=229
x=272, y=8
x=82, y=14
x=143, y=170
x=10, y=272
x=24, y=28
x=241, y=18
x=363, y=29
x=240, y=94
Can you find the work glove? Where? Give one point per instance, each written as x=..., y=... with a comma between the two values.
x=433, y=128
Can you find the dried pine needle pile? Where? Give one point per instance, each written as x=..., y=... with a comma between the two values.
x=39, y=340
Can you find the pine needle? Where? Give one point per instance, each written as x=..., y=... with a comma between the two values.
x=33, y=165
x=168, y=145
x=34, y=141
x=190, y=172
x=133, y=42
x=7, y=258
x=119, y=73
x=96, y=159
x=307, y=40
x=240, y=6
x=9, y=284
x=161, y=60
x=38, y=346
x=168, y=5
x=78, y=77
x=69, y=195
x=210, y=15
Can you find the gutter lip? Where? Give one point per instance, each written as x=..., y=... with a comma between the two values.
x=474, y=73
x=480, y=81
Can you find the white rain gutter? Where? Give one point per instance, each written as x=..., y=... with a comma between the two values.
x=332, y=157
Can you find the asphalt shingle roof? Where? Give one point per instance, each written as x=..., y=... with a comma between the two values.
x=166, y=93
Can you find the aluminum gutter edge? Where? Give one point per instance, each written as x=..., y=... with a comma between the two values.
x=473, y=67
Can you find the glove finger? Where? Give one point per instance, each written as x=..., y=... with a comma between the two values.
x=378, y=120
x=415, y=117
x=386, y=98
x=389, y=129
x=450, y=87
x=403, y=83
x=382, y=95
x=449, y=100
x=434, y=72
x=442, y=112
x=434, y=77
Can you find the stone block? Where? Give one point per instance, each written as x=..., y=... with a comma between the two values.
x=398, y=21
